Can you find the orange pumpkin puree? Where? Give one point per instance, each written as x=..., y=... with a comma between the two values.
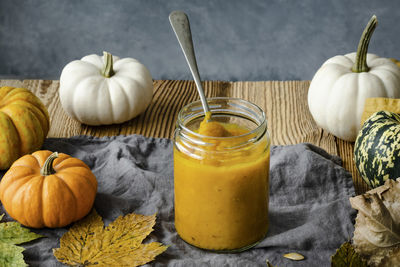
x=221, y=200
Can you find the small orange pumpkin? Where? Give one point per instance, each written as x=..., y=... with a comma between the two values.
x=47, y=189
x=24, y=124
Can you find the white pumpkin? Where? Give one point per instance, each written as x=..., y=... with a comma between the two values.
x=101, y=90
x=340, y=87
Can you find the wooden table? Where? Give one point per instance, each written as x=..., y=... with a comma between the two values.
x=285, y=104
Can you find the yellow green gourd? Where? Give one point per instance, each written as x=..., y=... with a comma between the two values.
x=377, y=148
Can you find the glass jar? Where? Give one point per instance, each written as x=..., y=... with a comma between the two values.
x=221, y=184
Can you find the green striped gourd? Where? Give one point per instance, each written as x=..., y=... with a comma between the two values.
x=377, y=148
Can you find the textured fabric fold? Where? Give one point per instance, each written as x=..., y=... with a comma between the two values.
x=309, y=208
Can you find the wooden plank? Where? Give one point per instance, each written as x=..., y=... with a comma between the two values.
x=285, y=105
x=290, y=121
x=159, y=118
x=61, y=125
x=346, y=150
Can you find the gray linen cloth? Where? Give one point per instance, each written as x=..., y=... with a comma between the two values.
x=309, y=208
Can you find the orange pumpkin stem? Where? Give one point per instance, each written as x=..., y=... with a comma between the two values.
x=47, y=168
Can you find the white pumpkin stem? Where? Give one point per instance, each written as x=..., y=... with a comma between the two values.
x=108, y=70
x=47, y=168
x=360, y=64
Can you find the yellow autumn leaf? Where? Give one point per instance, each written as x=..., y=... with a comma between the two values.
x=89, y=243
x=376, y=104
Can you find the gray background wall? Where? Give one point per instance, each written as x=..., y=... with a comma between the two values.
x=234, y=39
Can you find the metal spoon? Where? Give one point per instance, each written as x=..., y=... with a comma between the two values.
x=180, y=23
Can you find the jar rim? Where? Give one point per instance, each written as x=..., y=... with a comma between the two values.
x=260, y=125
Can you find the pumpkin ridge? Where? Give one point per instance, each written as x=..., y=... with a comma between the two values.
x=76, y=200
x=121, y=62
x=12, y=201
x=70, y=99
x=24, y=103
x=59, y=202
x=382, y=68
x=61, y=160
x=42, y=117
x=43, y=128
x=107, y=83
x=21, y=98
x=143, y=93
x=12, y=138
x=337, y=65
x=90, y=61
x=27, y=160
x=126, y=97
x=9, y=94
x=337, y=83
x=30, y=172
x=93, y=74
x=70, y=163
x=19, y=192
x=4, y=90
x=41, y=159
x=28, y=138
x=38, y=186
x=75, y=95
x=21, y=94
x=38, y=134
x=41, y=203
x=16, y=130
x=80, y=184
x=379, y=62
x=11, y=184
x=350, y=59
x=374, y=75
x=40, y=110
x=78, y=172
x=139, y=72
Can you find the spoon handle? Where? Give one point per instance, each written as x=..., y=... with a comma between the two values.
x=180, y=23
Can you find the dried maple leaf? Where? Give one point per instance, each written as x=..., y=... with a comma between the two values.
x=377, y=228
x=11, y=234
x=392, y=259
x=346, y=256
x=89, y=243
